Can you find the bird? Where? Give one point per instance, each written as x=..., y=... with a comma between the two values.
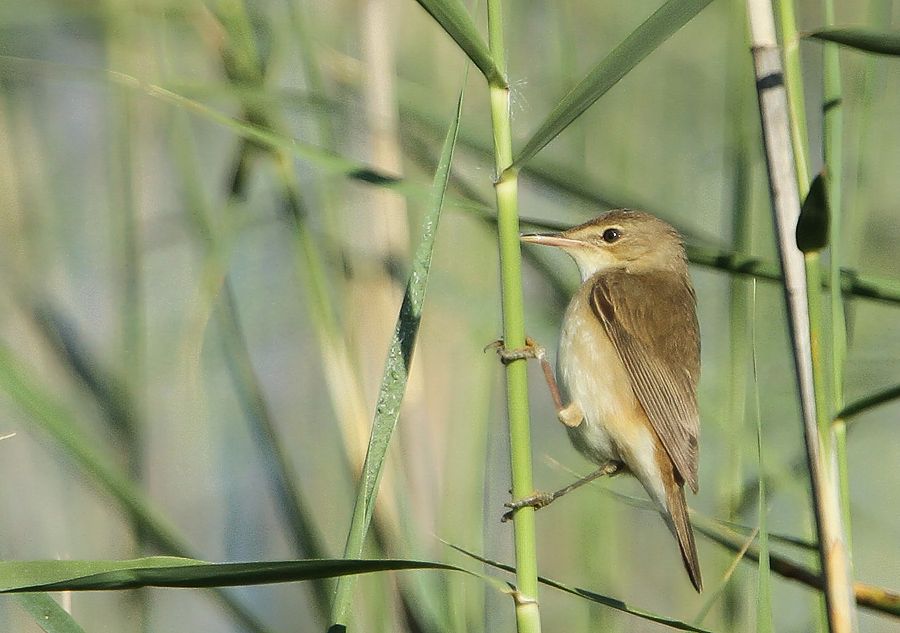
x=629, y=363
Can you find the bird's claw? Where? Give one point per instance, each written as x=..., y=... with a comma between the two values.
x=537, y=501
x=531, y=350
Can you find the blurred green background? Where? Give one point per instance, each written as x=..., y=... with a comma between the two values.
x=146, y=248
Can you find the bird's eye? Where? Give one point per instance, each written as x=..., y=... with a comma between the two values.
x=611, y=235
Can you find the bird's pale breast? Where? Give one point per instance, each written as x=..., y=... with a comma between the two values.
x=615, y=426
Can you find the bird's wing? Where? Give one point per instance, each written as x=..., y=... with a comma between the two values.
x=651, y=319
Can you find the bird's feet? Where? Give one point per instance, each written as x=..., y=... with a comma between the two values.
x=531, y=350
x=536, y=500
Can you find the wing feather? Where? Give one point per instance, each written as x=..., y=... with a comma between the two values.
x=652, y=322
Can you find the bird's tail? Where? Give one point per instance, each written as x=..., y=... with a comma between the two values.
x=680, y=525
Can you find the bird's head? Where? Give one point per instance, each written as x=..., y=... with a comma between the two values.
x=621, y=239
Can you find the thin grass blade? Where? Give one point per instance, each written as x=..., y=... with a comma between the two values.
x=862, y=39
x=48, y=614
x=614, y=603
x=458, y=24
x=396, y=372
x=645, y=39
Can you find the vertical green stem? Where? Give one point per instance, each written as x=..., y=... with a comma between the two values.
x=793, y=81
x=796, y=102
x=832, y=110
x=506, y=188
x=814, y=301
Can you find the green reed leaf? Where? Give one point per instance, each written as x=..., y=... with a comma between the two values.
x=645, y=39
x=396, y=372
x=458, y=24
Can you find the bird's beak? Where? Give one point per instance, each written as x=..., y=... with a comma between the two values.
x=550, y=239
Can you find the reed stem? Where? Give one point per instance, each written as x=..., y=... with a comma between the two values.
x=506, y=190
x=785, y=194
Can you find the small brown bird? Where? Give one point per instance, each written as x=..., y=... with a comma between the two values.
x=629, y=361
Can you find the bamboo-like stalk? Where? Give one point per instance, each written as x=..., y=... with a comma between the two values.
x=785, y=195
x=832, y=109
x=506, y=188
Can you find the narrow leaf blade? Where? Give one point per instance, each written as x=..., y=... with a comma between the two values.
x=458, y=24
x=170, y=571
x=869, y=402
x=862, y=39
x=396, y=372
x=646, y=38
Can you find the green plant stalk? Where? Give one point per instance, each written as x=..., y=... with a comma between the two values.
x=733, y=423
x=793, y=76
x=528, y=619
x=833, y=131
x=764, y=590
x=764, y=581
x=739, y=309
x=813, y=264
x=793, y=81
x=814, y=303
x=856, y=193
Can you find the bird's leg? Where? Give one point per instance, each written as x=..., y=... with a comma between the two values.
x=570, y=414
x=540, y=499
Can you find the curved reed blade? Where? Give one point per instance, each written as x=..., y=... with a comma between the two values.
x=641, y=42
